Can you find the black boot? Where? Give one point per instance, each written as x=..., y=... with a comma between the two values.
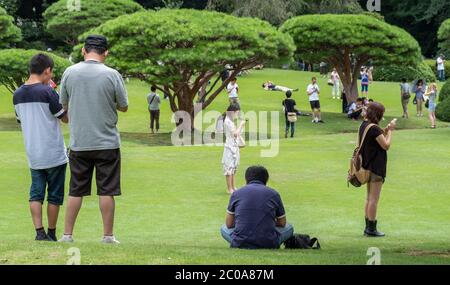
x=371, y=230
x=367, y=225
x=41, y=235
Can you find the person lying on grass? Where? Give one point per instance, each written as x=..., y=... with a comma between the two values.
x=256, y=218
x=270, y=86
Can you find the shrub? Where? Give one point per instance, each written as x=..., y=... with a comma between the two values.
x=444, y=93
x=14, y=66
x=443, y=110
x=396, y=73
x=66, y=23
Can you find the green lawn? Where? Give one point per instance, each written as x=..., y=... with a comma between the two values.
x=174, y=197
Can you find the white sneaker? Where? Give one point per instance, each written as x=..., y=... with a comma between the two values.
x=110, y=239
x=66, y=238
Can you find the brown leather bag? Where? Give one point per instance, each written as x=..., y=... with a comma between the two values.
x=357, y=175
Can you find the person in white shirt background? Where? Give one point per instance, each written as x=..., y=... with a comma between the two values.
x=441, y=67
x=336, y=80
x=233, y=91
x=313, y=92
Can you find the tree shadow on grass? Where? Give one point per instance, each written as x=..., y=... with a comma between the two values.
x=165, y=139
x=9, y=124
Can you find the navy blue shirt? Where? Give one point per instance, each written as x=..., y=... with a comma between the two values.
x=255, y=208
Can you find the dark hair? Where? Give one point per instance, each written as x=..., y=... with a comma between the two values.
x=359, y=100
x=264, y=85
x=39, y=63
x=403, y=80
x=96, y=43
x=153, y=88
x=257, y=173
x=375, y=112
x=419, y=81
x=233, y=79
x=370, y=100
x=96, y=49
x=234, y=107
x=288, y=94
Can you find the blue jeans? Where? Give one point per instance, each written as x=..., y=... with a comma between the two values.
x=53, y=179
x=285, y=233
x=441, y=75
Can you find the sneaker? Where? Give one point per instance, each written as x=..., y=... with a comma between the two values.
x=313, y=121
x=110, y=239
x=320, y=121
x=51, y=236
x=41, y=236
x=66, y=238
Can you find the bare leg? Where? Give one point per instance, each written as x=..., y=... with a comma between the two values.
x=36, y=214
x=229, y=183
x=107, y=208
x=233, y=183
x=366, y=208
x=52, y=215
x=73, y=208
x=374, y=197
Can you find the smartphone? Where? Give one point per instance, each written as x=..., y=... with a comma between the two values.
x=52, y=84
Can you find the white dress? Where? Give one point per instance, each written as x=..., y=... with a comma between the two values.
x=231, y=155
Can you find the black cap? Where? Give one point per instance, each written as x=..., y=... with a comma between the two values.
x=96, y=41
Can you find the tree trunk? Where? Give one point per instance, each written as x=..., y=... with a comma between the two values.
x=186, y=104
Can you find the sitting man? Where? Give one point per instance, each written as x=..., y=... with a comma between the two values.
x=270, y=86
x=355, y=110
x=255, y=215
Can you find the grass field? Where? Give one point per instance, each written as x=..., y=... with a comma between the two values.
x=174, y=198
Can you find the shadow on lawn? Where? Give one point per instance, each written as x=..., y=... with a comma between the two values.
x=9, y=124
x=163, y=139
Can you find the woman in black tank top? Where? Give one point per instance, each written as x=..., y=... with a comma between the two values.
x=374, y=158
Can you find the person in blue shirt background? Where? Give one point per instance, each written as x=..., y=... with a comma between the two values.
x=255, y=216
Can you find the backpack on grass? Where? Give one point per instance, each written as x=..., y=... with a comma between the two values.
x=357, y=175
x=298, y=241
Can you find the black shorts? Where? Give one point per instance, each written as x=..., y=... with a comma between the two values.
x=314, y=104
x=107, y=172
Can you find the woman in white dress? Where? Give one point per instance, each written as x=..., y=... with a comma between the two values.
x=231, y=155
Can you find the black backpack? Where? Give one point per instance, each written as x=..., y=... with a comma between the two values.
x=298, y=241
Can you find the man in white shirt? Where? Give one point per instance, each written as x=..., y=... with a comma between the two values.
x=233, y=91
x=441, y=67
x=313, y=92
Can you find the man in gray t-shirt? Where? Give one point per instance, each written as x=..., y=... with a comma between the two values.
x=92, y=93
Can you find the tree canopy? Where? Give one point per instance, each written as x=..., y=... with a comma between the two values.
x=421, y=18
x=444, y=38
x=348, y=42
x=277, y=12
x=9, y=33
x=65, y=22
x=14, y=67
x=182, y=50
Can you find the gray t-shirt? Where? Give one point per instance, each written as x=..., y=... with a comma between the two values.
x=93, y=92
x=153, y=101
